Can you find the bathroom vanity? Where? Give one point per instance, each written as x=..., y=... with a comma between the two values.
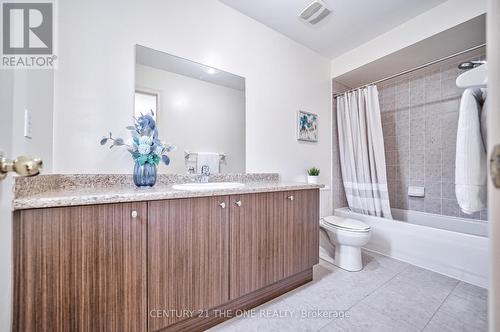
x=124, y=259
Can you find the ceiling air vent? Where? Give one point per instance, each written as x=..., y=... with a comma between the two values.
x=315, y=12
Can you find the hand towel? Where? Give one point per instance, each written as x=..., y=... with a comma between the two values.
x=210, y=159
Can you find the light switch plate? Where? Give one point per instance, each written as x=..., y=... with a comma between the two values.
x=28, y=125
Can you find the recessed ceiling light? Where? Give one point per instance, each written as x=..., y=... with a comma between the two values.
x=211, y=71
x=315, y=12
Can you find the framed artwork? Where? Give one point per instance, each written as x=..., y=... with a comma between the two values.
x=307, y=126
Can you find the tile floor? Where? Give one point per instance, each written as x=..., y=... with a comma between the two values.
x=387, y=295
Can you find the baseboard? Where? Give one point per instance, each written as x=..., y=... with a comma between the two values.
x=245, y=302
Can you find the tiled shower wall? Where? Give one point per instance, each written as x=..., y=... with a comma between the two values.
x=419, y=120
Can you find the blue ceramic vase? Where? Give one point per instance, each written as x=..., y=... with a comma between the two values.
x=144, y=175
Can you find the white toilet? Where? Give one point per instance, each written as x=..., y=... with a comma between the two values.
x=347, y=235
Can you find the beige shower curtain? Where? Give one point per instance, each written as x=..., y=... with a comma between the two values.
x=362, y=155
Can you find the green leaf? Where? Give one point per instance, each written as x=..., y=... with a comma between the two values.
x=156, y=159
x=313, y=171
x=119, y=141
x=150, y=159
x=142, y=159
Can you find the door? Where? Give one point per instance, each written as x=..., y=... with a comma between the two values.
x=256, y=241
x=80, y=268
x=6, y=138
x=20, y=90
x=187, y=258
x=493, y=116
x=301, y=226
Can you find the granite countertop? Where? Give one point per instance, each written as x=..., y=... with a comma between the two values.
x=57, y=192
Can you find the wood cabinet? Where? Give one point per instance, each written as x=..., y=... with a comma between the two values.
x=160, y=265
x=301, y=230
x=256, y=239
x=80, y=268
x=188, y=257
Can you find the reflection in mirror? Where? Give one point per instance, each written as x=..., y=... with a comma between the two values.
x=199, y=109
x=145, y=102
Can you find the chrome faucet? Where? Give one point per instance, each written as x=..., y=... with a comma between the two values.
x=205, y=174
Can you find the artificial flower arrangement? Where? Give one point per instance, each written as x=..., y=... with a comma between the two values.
x=145, y=147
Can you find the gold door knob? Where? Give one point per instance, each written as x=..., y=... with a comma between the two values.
x=23, y=165
x=495, y=166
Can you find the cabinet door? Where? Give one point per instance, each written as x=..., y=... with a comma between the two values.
x=256, y=237
x=187, y=258
x=80, y=268
x=301, y=226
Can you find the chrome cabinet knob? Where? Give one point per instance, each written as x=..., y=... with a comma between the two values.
x=238, y=203
x=222, y=205
x=134, y=214
x=290, y=197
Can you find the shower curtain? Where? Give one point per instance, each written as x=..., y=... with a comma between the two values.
x=362, y=155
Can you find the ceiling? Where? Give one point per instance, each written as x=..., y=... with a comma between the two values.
x=164, y=61
x=351, y=23
x=457, y=39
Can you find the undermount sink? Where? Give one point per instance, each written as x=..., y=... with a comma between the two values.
x=208, y=186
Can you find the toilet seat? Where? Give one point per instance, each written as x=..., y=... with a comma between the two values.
x=346, y=224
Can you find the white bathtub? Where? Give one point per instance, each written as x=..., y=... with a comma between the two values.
x=456, y=247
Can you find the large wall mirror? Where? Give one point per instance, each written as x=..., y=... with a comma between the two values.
x=199, y=109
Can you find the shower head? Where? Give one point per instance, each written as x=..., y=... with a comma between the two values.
x=470, y=64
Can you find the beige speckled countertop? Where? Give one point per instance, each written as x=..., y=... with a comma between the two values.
x=56, y=192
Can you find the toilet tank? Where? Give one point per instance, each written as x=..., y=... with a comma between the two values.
x=325, y=202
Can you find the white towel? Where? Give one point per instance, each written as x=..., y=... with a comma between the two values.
x=483, y=119
x=470, y=166
x=210, y=159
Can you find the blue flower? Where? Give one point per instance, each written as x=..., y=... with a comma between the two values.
x=146, y=121
x=158, y=150
x=145, y=147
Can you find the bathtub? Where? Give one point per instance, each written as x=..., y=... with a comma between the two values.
x=456, y=247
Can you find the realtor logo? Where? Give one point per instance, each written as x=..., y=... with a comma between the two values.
x=28, y=35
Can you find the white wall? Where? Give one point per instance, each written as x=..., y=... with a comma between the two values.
x=197, y=116
x=33, y=90
x=438, y=19
x=95, y=81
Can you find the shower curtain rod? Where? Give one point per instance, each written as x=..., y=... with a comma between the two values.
x=412, y=69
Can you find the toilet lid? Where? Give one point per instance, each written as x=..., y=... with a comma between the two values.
x=346, y=223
